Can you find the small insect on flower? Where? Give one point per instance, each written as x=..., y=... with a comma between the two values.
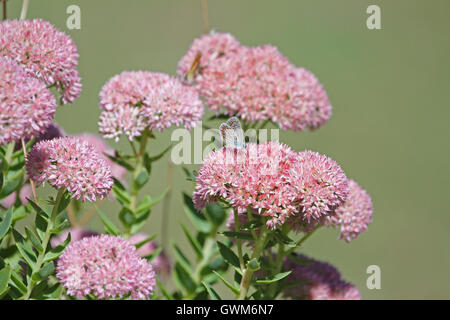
x=232, y=134
x=195, y=67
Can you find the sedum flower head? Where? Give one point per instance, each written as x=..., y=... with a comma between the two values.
x=135, y=100
x=26, y=106
x=300, y=188
x=206, y=51
x=317, y=281
x=72, y=164
x=258, y=177
x=44, y=52
x=106, y=266
x=322, y=186
x=255, y=83
x=354, y=216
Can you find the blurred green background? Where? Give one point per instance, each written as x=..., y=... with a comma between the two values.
x=390, y=124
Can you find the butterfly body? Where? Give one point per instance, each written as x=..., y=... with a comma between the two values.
x=232, y=133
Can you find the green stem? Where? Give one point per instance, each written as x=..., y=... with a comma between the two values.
x=248, y=273
x=9, y=151
x=45, y=242
x=139, y=166
x=239, y=242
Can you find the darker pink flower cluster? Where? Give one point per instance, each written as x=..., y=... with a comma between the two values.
x=354, y=216
x=105, y=266
x=72, y=164
x=318, y=281
x=26, y=106
x=255, y=83
x=273, y=180
x=44, y=52
x=133, y=101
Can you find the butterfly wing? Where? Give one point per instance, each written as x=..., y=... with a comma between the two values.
x=238, y=133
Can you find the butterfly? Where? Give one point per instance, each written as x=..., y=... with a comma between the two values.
x=232, y=133
x=195, y=66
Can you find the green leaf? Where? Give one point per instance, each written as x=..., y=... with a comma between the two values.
x=62, y=225
x=25, y=249
x=216, y=214
x=126, y=216
x=121, y=195
x=160, y=155
x=5, y=275
x=12, y=181
x=212, y=293
x=56, y=252
x=298, y=260
x=228, y=255
x=16, y=279
x=164, y=290
x=38, y=209
x=181, y=258
x=253, y=265
x=251, y=225
x=197, y=219
x=195, y=245
x=141, y=243
x=65, y=200
x=150, y=257
x=109, y=225
x=225, y=282
x=274, y=278
x=46, y=270
x=148, y=203
x=34, y=240
x=284, y=239
x=184, y=278
x=1, y=180
x=6, y=223
x=190, y=176
x=141, y=178
x=237, y=235
x=120, y=161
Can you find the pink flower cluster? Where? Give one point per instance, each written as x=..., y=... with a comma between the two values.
x=354, y=216
x=26, y=106
x=105, y=266
x=103, y=149
x=72, y=164
x=255, y=83
x=133, y=101
x=274, y=180
x=44, y=52
x=321, y=281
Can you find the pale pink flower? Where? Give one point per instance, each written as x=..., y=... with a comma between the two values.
x=72, y=164
x=26, y=106
x=135, y=100
x=75, y=235
x=25, y=193
x=210, y=48
x=354, y=216
x=105, y=266
x=44, y=52
x=161, y=264
x=317, y=281
x=103, y=149
x=275, y=181
x=260, y=178
x=322, y=186
x=260, y=84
